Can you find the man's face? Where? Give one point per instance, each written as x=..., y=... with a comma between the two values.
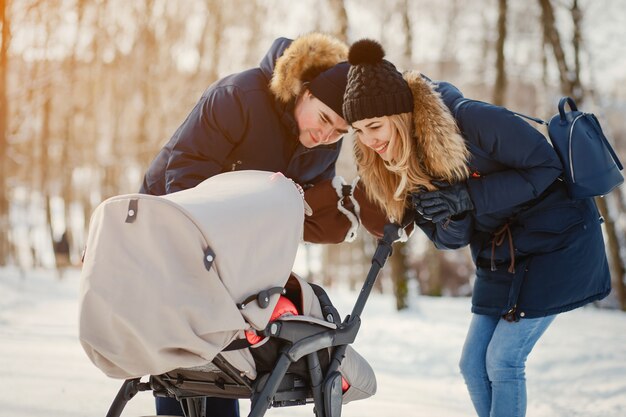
x=318, y=124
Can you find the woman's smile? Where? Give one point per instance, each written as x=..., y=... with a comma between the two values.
x=380, y=149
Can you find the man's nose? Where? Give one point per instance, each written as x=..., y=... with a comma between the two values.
x=326, y=134
x=331, y=135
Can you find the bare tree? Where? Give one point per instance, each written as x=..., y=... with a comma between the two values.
x=570, y=82
x=408, y=34
x=147, y=46
x=218, y=29
x=4, y=131
x=619, y=271
x=499, y=90
x=63, y=242
x=399, y=268
x=399, y=275
x=339, y=10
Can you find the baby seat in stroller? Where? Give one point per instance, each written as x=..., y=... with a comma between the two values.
x=170, y=284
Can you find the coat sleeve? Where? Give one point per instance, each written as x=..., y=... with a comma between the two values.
x=213, y=128
x=531, y=163
x=453, y=234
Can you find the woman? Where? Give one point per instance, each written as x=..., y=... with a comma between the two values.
x=477, y=174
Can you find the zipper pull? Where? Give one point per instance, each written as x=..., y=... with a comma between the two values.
x=510, y=315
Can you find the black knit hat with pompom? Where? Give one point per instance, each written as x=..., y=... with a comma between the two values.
x=375, y=87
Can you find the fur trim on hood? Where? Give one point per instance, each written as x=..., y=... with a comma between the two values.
x=303, y=60
x=443, y=148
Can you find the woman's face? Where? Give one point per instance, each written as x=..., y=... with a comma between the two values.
x=376, y=133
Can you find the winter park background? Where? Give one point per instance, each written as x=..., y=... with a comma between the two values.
x=89, y=91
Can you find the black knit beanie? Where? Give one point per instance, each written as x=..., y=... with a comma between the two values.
x=375, y=87
x=330, y=85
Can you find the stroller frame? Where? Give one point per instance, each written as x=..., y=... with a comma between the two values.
x=277, y=388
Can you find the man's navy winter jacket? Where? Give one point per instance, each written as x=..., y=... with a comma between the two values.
x=239, y=124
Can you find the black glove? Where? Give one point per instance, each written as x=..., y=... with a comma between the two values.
x=418, y=217
x=450, y=200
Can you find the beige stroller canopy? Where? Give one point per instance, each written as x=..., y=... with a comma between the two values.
x=162, y=276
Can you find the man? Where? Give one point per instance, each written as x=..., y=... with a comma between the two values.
x=284, y=116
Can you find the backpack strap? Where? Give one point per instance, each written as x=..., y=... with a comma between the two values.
x=474, y=150
x=534, y=119
x=458, y=105
x=525, y=116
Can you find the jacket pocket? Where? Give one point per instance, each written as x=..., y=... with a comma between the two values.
x=549, y=229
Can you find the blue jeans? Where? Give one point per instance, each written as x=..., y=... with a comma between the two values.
x=493, y=363
x=216, y=407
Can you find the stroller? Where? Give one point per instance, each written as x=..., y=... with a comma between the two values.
x=181, y=256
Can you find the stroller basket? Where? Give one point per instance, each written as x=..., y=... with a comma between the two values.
x=301, y=340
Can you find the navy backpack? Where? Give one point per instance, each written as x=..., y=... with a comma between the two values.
x=591, y=167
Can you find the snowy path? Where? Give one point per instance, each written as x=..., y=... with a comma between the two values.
x=578, y=368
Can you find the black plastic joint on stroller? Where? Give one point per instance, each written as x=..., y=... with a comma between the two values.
x=301, y=341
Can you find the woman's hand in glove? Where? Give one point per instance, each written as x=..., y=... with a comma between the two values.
x=449, y=200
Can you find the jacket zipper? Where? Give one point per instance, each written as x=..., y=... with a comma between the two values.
x=571, y=160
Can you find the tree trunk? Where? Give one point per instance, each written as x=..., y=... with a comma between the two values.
x=256, y=19
x=44, y=160
x=68, y=145
x=576, y=41
x=433, y=260
x=218, y=29
x=399, y=275
x=408, y=35
x=619, y=271
x=570, y=84
x=615, y=260
x=399, y=269
x=339, y=9
x=4, y=131
x=499, y=90
x=148, y=46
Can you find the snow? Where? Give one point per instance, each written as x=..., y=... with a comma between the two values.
x=577, y=369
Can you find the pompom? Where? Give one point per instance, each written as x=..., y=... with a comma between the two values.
x=365, y=51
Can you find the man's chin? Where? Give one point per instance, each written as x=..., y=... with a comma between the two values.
x=307, y=142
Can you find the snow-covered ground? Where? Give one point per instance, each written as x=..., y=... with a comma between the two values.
x=577, y=369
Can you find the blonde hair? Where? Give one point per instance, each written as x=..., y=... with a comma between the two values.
x=389, y=182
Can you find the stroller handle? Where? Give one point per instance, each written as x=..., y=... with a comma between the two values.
x=391, y=233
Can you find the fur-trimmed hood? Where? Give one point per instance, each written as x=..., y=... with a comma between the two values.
x=303, y=60
x=443, y=148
